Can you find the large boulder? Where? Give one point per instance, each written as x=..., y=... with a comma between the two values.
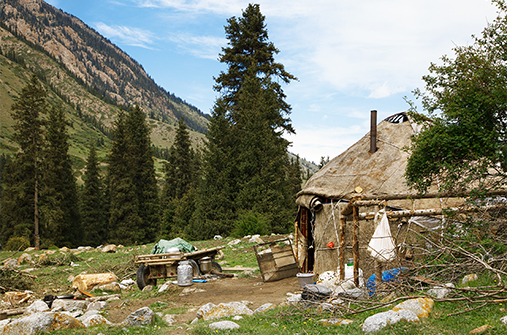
x=69, y=305
x=420, y=306
x=223, y=325
x=378, y=321
x=143, y=316
x=41, y=323
x=211, y=311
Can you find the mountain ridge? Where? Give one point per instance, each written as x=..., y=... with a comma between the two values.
x=94, y=60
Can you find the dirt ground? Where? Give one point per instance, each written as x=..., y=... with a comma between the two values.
x=217, y=291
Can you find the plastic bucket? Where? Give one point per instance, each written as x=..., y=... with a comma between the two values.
x=304, y=279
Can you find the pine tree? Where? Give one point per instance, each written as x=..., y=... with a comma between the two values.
x=178, y=197
x=133, y=192
x=92, y=202
x=125, y=225
x=20, y=215
x=143, y=169
x=59, y=200
x=244, y=167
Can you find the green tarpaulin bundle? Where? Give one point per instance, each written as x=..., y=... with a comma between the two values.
x=163, y=245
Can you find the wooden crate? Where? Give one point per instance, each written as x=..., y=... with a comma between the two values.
x=276, y=260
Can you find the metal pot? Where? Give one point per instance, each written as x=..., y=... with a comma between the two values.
x=205, y=264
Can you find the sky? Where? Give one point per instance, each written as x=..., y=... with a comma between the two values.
x=350, y=57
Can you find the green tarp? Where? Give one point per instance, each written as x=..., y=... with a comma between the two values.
x=163, y=245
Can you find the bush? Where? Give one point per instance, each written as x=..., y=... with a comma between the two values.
x=17, y=243
x=250, y=223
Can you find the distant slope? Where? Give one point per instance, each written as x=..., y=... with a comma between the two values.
x=93, y=60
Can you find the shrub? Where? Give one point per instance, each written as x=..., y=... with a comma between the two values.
x=250, y=223
x=17, y=243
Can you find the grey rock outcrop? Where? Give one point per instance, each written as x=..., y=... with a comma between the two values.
x=378, y=321
x=143, y=316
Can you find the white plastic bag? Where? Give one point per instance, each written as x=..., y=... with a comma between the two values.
x=381, y=245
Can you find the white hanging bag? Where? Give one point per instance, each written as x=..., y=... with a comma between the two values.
x=382, y=245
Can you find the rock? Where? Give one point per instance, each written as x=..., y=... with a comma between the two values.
x=30, y=249
x=87, y=281
x=169, y=318
x=96, y=305
x=111, y=248
x=64, y=249
x=217, y=237
x=256, y=239
x=356, y=293
x=469, y=278
x=191, y=290
x=113, y=287
x=263, y=308
x=36, y=307
x=95, y=320
x=504, y=320
x=128, y=282
x=480, y=329
x=440, y=292
x=143, y=316
x=292, y=299
x=378, y=321
x=223, y=325
x=336, y=322
x=147, y=288
x=237, y=318
x=164, y=287
x=211, y=311
x=69, y=305
x=234, y=242
x=24, y=258
x=421, y=306
x=10, y=263
x=42, y=323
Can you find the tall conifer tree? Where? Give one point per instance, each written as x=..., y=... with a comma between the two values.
x=246, y=152
x=92, y=203
x=59, y=201
x=20, y=211
x=178, y=197
x=133, y=191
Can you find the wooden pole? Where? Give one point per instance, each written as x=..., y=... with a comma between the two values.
x=296, y=241
x=429, y=212
x=343, y=222
x=355, y=246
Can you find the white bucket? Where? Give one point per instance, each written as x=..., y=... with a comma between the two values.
x=304, y=279
x=185, y=272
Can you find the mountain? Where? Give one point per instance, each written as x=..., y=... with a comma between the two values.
x=85, y=71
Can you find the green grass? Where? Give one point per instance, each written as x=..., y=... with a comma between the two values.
x=53, y=278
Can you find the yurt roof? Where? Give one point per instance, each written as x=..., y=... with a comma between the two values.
x=378, y=173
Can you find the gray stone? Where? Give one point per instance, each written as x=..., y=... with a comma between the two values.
x=41, y=323
x=143, y=316
x=441, y=292
x=378, y=321
x=237, y=318
x=164, y=287
x=504, y=320
x=356, y=293
x=224, y=325
x=211, y=311
x=169, y=318
x=264, y=308
x=36, y=307
x=95, y=320
x=69, y=305
x=96, y=305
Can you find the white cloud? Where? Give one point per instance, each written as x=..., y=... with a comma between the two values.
x=207, y=47
x=130, y=36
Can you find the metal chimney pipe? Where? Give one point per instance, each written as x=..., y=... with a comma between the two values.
x=373, y=131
